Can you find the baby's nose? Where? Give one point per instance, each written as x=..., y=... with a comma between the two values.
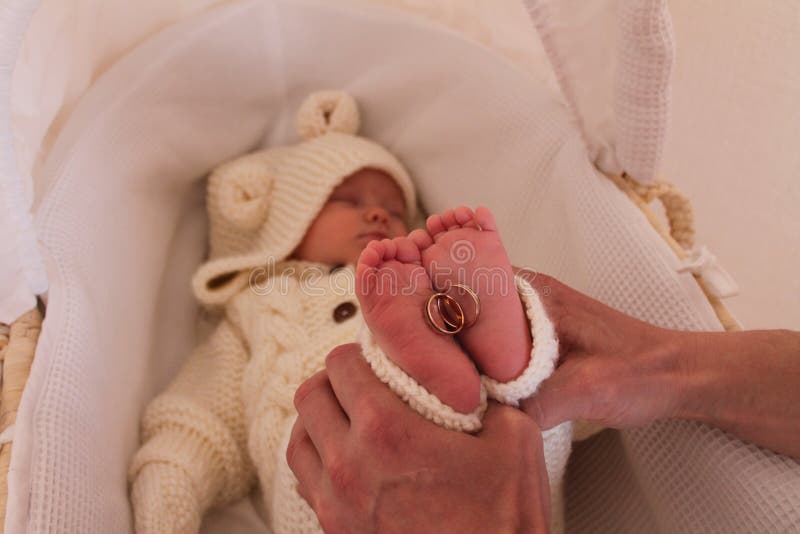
x=376, y=214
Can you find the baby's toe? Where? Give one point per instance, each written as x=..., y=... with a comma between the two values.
x=435, y=225
x=449, y=219
x=485, y=219
x=407, y=250
x=372, y=255
x=463, y=215
x=466, y=217
x=421, y=238
x=389, y=249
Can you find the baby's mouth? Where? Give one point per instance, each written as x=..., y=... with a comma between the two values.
x=372, y=236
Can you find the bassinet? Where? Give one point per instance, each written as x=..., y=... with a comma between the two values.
x=103, y=213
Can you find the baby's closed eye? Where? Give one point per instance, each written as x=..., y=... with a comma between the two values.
x=343, y=200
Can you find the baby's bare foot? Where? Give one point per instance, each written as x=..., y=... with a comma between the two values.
x=464, y=247
x=393, y=288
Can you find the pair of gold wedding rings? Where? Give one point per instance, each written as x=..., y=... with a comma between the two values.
x=445, y=311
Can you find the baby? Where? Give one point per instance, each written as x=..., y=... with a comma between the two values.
x=301, y=238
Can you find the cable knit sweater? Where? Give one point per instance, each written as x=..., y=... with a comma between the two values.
x=224, y=421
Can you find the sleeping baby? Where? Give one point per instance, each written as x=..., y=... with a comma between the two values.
x=309, y=249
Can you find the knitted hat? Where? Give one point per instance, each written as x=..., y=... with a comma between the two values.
x=261, y=205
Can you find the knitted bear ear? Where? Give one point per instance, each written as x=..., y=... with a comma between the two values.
x=241, y=191
x=327, y=111
x=214, y=283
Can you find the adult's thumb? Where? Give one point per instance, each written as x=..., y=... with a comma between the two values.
x=563, y=396
x=498, y=417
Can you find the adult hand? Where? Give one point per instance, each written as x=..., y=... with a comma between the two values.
x=613, y=369
x=366, y=462
x=621, y=372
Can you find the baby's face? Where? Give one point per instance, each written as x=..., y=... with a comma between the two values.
x=367, y=205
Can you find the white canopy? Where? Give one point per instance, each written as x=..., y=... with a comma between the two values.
x=619, y=100
x=735, y=90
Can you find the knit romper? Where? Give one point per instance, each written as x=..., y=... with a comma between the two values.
x=224, y=421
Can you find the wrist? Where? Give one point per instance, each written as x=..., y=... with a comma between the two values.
x=699, y=381
x=745, y=383
x=672, y=382
x=726, y=374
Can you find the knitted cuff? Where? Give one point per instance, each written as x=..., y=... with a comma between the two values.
x=164, y=500
x=420, y=399
x=188, y=452
x=544, y=352
x=180, y=430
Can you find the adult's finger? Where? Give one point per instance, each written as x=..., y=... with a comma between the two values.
x=320, y=413
x=501, y=423
x=566, y=395
x=304, y=461
x=354, y=383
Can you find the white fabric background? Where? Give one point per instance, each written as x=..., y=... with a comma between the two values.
x=734, y=146
x=22, y=274
x=731, y=144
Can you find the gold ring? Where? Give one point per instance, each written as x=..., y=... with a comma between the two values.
x=475, y=300
x=449, y=328
x=445, y=313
